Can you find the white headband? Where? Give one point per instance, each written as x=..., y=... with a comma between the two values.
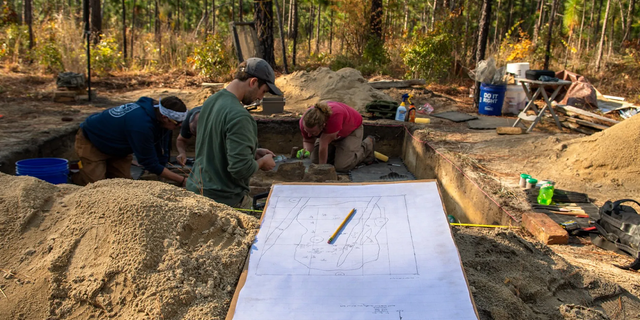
x=173, y=115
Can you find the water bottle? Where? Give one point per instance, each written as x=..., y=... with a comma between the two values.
x=546, y=194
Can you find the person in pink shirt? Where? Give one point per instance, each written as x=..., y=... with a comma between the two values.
x=332, y=131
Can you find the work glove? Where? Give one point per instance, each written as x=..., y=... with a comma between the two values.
x=303, y=153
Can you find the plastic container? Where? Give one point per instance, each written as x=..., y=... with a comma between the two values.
x=523, y=180
x=515, y=100
x=491, y=99
x=411, y=113
x=52, y=170
x=401, y=113
x=545, y=196
x=519, y=69
x=531, y=183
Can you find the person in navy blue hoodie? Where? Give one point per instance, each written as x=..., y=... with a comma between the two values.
x=106, y=141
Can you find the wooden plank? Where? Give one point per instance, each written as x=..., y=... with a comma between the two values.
x=583, y=113
x=588, y=124
x=509, y=130
x=387, y=84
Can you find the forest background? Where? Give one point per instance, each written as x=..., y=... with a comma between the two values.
x=439, y=40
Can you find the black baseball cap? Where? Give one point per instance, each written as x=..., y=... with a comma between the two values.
x=261, y=69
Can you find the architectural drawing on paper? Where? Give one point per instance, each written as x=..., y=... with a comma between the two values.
x=300, y=227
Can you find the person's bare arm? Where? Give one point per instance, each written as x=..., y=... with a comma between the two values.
x=307, y=144
x=323, y=151
x=168, y=174
x=181, y=145
x=266, y=162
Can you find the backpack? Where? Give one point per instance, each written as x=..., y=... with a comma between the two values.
x=618, y=229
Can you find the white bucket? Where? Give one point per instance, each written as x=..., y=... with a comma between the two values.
x=514, y=99
x=519, y=69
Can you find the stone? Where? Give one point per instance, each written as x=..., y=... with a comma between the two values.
x=321, y=173
x=291, y=171
x=544, y=229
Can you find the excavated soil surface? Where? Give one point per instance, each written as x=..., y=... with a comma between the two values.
x=147, y=250
x=117, y=249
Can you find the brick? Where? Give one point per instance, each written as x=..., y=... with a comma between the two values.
x=544, y=229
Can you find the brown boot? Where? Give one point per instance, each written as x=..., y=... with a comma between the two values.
x=369, y=144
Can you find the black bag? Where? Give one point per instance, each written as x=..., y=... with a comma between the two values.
x=619, y=230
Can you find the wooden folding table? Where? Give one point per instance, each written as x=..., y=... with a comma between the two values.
x=526, y=85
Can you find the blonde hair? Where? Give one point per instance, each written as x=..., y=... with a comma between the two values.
x=317, y=115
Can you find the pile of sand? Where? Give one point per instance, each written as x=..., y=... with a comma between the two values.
x=607, y=157
x=147, y=250
x=117, y=248
x=302, y=89
x=512, y=278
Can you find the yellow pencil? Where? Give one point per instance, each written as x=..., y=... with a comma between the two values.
x=341, y=225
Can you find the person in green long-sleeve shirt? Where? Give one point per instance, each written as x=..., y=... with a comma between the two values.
x=227, y=152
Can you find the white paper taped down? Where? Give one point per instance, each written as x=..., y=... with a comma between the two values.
x=394, y=259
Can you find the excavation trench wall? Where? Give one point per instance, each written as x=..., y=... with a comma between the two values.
x=462, y=198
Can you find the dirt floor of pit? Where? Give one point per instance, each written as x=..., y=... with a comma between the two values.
x=493, y=161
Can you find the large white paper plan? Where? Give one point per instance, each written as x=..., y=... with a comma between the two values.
x=394, y=259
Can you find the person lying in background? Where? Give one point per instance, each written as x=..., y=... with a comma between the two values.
x=107, y=140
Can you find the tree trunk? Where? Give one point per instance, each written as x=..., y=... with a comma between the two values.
x=157, y=26
x=627, y=32
x=310, y=29
x=133, y=27
x=611, y=30
x=295, y=31
x=466, y=35
x=547, y=51
x=375, y=21
x=96, y=21
x=290, y=22
x=331, y=31
x=264, y=27
x=206, y=18
x=622, y=24
x=601, y=44
x=318, y=29
x=28, y=19
x=509, y=17
x=213, y=16
x=124, y=29
x=240, y=10
x=483, y=34
x=536, y=31
x=584, y=9
x=595, y=31
x=495, y=31
x=433, y=14
x=593, y=6
x=284, y=16
x=284, y=47
x=406, y=15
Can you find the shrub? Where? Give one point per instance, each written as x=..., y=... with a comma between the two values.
x=211, y=58
x=429, y=55
x=105, y=56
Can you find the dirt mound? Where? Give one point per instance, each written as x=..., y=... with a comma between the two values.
x=607, y=157
x=302, y=89
x=512, y=278
x=118, y=248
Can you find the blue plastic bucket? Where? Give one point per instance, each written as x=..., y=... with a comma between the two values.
x=491, y=99
x=52, y=170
